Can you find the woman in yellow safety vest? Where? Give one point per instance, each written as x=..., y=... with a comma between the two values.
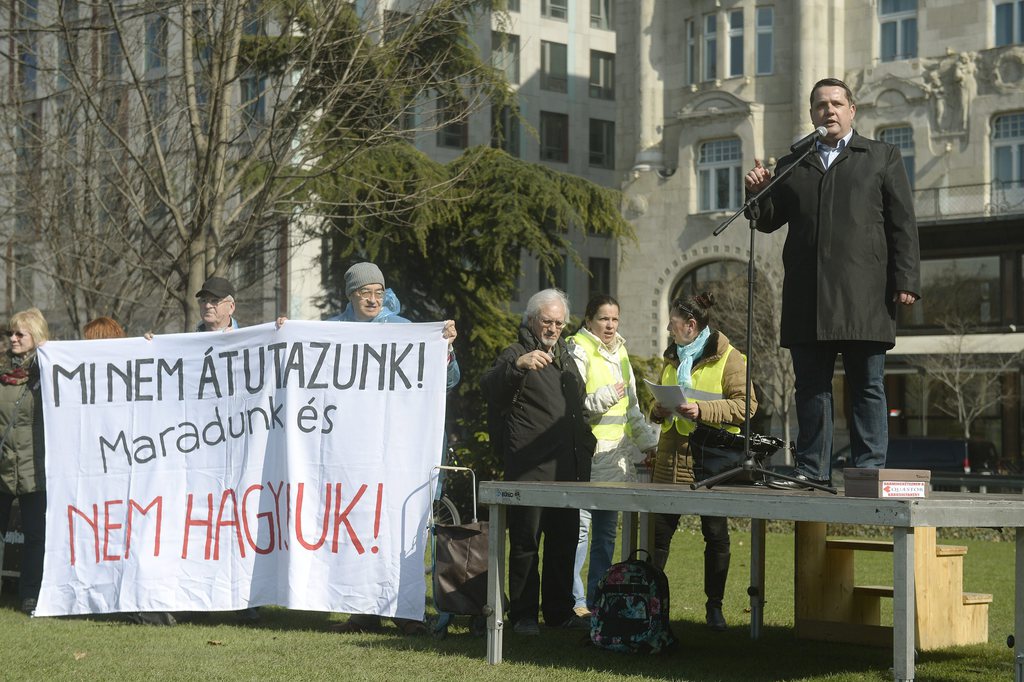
x=623, y=435
x=701, y=360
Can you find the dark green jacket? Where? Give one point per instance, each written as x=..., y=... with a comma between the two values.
x=21, y=428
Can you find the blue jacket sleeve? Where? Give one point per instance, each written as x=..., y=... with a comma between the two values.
x=454, y=373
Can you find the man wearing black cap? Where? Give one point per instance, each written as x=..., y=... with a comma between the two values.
x=216, y=305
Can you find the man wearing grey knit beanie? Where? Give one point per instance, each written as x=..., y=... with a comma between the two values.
x=364, y=288
x=370, y=301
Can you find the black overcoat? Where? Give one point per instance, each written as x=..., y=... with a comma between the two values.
x=852, y=243
x=536, y=416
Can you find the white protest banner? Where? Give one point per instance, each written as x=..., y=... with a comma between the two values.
x=217, y=471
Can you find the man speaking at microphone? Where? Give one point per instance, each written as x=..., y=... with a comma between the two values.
x=851, y=256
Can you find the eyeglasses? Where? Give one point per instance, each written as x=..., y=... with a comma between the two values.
x=367, y=294
x=210, y=300
x=17, y=335
x=557, y=324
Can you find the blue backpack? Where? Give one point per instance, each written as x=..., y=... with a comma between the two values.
x=632, y=609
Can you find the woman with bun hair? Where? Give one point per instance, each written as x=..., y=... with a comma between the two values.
x=701, y=358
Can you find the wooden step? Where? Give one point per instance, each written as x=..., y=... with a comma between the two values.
x=873, y=590
x=886, y=546
x=977, y=598
x=950, y=550
x=860, y=545
x=969, y=598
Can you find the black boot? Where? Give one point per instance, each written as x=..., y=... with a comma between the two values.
x=716, y=571
x=714, y=618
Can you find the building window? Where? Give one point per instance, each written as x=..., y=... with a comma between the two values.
x=765, y=45
x=692, y=72
x=505, y=130
x=65, y=70
x=28, y=69
x=112, y=56
x=556, y=279
x=253, y=100
x=1008, y=159
x=719, y=175
x=254, y=21
x=602, y=75
x=156, y=92
x=710, y=47
x=601, y=14
x=505, y=55
x=554, y=137
x=602, y=143
x=736, y=42
x=156, y=42
x=1009, y=22
x=897, y=21
x=719, y=275
x=555, y=9
x=24, y=266
x=26, y=142
x=29, y=13
x=512, y=5
x=454, y=130
x=599, y=281
x=902, y=137
x=396, y=25
x=956, y=291
x=407, y=120
x=554, y=67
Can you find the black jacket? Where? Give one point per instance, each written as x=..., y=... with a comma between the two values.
x=852, y=243
x=536, y=416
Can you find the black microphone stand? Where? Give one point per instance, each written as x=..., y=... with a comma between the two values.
x=750, y=464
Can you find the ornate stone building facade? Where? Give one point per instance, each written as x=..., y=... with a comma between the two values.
x=718, y=83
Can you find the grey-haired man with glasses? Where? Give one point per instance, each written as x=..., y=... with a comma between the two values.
x=535, y=418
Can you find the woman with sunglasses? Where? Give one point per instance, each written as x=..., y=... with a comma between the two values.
x=699, y=358
x=21, y=446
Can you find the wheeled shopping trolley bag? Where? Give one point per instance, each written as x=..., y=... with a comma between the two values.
x=460, y=567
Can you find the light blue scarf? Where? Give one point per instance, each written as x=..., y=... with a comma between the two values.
x=687, y=354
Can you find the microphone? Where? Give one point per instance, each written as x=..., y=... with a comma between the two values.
x=803, y=143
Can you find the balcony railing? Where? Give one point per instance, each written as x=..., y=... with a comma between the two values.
x=969, y=201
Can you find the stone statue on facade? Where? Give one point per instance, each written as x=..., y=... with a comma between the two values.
x=967, y=86
x=937, y=92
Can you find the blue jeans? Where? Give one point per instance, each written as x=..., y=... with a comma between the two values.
x=813, y=365
x=601, y=525
x=602, y=549
x=578, y=594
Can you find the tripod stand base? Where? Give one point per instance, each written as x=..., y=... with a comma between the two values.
x=751, y=466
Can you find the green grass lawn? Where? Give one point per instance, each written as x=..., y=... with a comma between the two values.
x=296, y=645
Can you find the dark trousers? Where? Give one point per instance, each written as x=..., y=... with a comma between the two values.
x=528, y=586
x=716, y=551
x=33, y=525
x=813, y=366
